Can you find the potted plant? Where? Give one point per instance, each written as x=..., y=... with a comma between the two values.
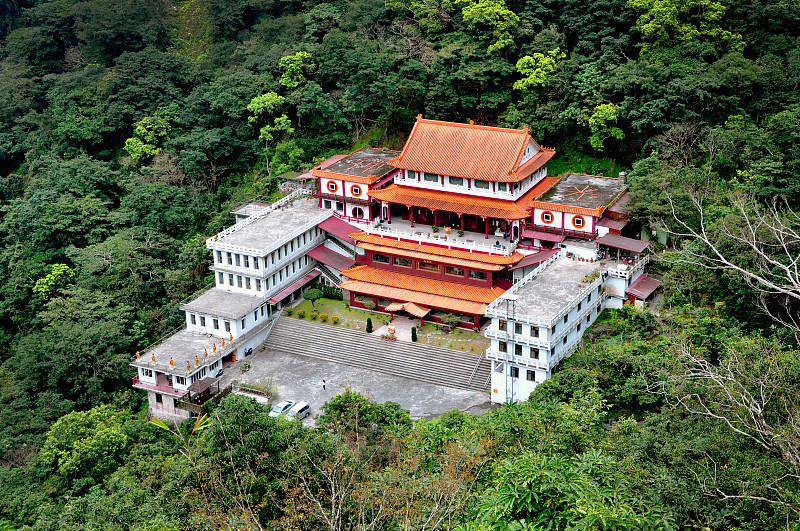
x=435, y=228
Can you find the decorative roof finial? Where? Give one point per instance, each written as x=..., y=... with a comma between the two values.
x=138, y=357
x=223, y=342
x=196, y=361
x=231, y=335
x=215, y=348
x=171, y=363
x=188, y=367
x=153, y=357
x=471, y=122
x=205, y=354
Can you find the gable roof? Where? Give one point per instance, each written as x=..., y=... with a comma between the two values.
x=470, y=151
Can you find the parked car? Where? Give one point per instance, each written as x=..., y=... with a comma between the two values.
x=299, y=411
x=219, y=372
x=280, y=408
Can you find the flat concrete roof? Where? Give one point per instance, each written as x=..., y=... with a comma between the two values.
x=182, y=347
x=273, y=226
x=248, y=209
x=584, y=191
x=224, y=304
x=365, y=162
x=552, y=289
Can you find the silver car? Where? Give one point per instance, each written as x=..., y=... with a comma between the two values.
x=280, y=408
x=299, y=411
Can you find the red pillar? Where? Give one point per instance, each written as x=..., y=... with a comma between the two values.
x=389, y=212
x=420, y=322
x=462, y=221
x=412, y=216
x=435, y=218
x=486, y=227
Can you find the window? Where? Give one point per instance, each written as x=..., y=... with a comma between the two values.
x=579, y=306
x=565, y=318
x=230, y=279
x=579, y=328
x=589, y=298
x=382, y=258
x=587, y=318
x=239, y=281
x=332, y=187
x=402, y=262
x=455, y=271
x=230, y=259
x=192, y=319
x=477, y=275
x=326, y=204
x=291, y=246
x=518, y=328
x=244, y=323
x=221, y=278
x=227, y=326
x=503, y=347
x=355, y=190
x=565, y=340
x=246, y=261
x=428, y=266
x=578, y=222
x=219, y=256
x=262, y=311
x=147, y=372
x=534, y=331
x=481, y=185
x=358, y=212
x=255, y=315
x=255, y=263
x=501, y=325
x=258, y=284
x=247, y=282
x=547, y=217
x=159, y=399
x=456, y=181
x=202, y=321
x=502, y=187
x=238, y=259
x=515, y=372
x=518, y=350
x=216, y=324
x=430, y=177
x=339, y=206
x=180, y=380
x=530, y=376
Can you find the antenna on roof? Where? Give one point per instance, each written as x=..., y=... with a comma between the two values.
x=471, y=122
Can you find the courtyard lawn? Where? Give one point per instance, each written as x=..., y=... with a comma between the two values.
x=430, y=334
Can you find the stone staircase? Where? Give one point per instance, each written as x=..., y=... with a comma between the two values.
x=423, y=363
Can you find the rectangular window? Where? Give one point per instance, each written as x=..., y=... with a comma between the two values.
x=579, y=328
x=481, y=185
x=402, y=262
x=258, y=284
x=147, y=372
x=503, y=346
x=216, y=324
x=255, y=315
x=428, y=266
x=530, y=376
x=255, y=263
x=534, y=331
x=262, y=311
x=501, y=325
x=518, y=328
x=219, y=256
x=339, y=206
x=515, y=372
x=502, y=187
x=202, y=321
x=291, y=246
x=230, y=259
x=221, y=278
x=456, y=181
x=159, y=399
x=382, y=258
x=579, y=306
x=455, y=271
x=227, y=326
x=244, y=323
x=180, y=380
x=246, y=261
x=589, y=298
x=247, y=282
x=230, y=279
x=192, y=319
x=238, y=260
x=518, y=350
x=565, y=340
x=565, y=318
x=587, y=318
x=430, y=177
x=477, y=275
x=239, y=281
x=326, y=204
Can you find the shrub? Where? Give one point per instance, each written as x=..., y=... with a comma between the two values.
x=289, y=312
x=460, y=232
x=346, y=304
x=335, y=319
x=369, y=325
x=369, y=305
x=301, y=313
x=323, y=317
x=414, y=334
x=451, y=320
x=313, y=316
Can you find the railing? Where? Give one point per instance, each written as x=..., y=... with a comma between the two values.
x=516, y=338
x=196, y=407
x=626, y=274
x=166, y=389
x=566, y=232
x=518, y=360
x=450, y=242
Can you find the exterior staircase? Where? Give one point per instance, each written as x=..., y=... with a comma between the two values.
x=423, y=363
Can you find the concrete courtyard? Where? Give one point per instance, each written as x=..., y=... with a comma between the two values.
x=300, y=378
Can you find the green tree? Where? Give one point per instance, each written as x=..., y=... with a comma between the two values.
x=496, y=17
x=312, y=295
x=599, y=125
x=264, y=109
x=294, y=68
x=369, y=325
x=149, y=133
x=59, y=278
x=537, y=69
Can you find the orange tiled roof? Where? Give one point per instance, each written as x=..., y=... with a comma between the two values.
x=428, y=257
x=428, y=300
x=461, y=203
x=485, y=258
x=470, y=151
x=453, y=290
x=368, y=179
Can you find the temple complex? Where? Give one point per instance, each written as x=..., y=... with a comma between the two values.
x=464, y=221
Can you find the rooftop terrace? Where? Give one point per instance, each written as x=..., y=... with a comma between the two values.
x=364, y=163
x=182, y=347
x=225, y=304
x=584, y=191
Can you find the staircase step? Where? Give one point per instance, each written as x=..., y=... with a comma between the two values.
x=435, y=365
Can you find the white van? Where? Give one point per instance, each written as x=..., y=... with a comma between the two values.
x=299, y=411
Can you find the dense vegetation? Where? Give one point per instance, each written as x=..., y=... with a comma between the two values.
x=128, y=129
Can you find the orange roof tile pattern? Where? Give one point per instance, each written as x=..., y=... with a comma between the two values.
x=470, y=151
x=461, y=203
x=453, y=290
x=407, y=295
x=428, y=257
x=439, y=251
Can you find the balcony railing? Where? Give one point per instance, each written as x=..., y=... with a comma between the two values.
x=566, y=232
x=517, y=360
x=451, y=242
x=165, y=389
x=626, y=273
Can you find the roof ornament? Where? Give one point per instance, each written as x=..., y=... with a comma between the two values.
x=188, y=367
x=196, y=361
x=215, y=348
x=223, y=342
x=153, y=358
x=471, y=122
x=171, y=363
x=138, y=357
x=231, y=337
x=205, y=354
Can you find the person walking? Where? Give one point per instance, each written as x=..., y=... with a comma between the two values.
x=323, y=385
